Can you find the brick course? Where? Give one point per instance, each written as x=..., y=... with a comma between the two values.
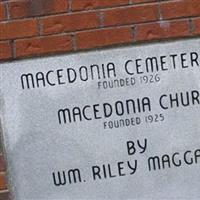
x=103, y=37
x=69, y=22
x=43, y=45
x=178, y=9
x=5, y=50
x=2, y=11
x=3, y=184
x=196, y=26
x=94, y=4
x=24, y=24
x=18, y=29
x=130, y=15
x=159, y=30
x=24, y=8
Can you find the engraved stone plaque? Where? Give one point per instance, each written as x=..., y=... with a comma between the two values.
x=120, y=123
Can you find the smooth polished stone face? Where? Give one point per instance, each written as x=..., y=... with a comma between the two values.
x=121, y=123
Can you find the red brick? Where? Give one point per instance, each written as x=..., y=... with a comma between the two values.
x=129, y=15
x=93, y=4
x=196, y=24
x=70, y=22
x=5, y=52
x=4, y=196
x=3, y=181
x=161, y=30
x=43, y=45
x=2, y=12
x=103, y=37
x=2, y=163
x=30, y=8
x=178, y=9
x=18, y=29
x=142, y=1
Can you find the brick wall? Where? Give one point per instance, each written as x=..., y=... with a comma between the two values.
x=38, y=27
